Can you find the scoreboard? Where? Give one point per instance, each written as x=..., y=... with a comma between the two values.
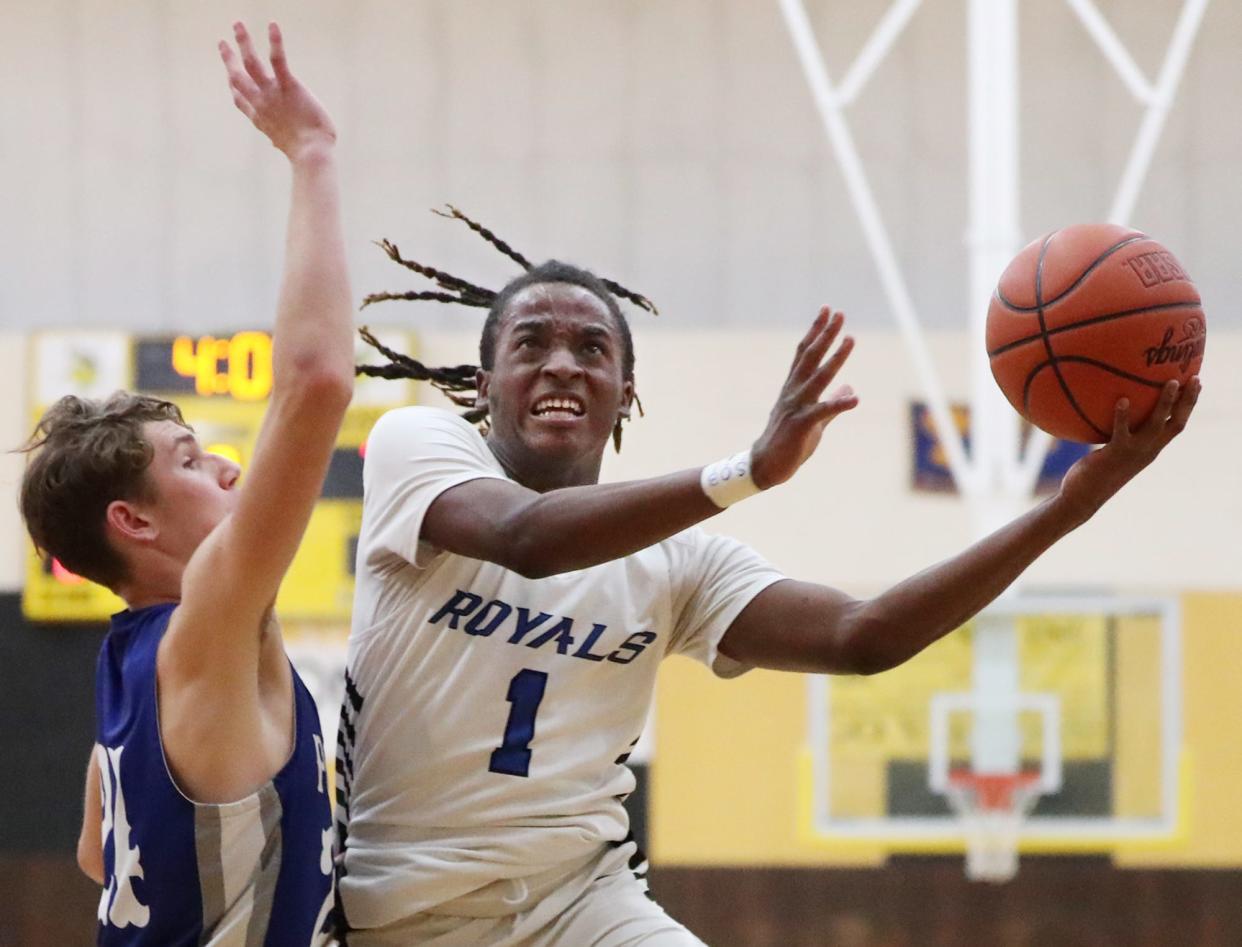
x=221, y=384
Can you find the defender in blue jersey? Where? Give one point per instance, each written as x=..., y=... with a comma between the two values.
x=207, y=818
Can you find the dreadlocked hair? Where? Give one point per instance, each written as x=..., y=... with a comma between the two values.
x=458, y=382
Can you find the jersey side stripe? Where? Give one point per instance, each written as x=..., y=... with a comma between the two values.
x=237, y=869
x=270, y=811
x=207, y=845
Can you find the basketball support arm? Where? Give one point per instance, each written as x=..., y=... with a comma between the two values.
x=1002, y=469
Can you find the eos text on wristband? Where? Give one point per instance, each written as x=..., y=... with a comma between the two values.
x=728, y=481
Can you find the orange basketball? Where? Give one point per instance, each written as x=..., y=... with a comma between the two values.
x=1085, y=316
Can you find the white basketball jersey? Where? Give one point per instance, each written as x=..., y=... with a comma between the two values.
x=488, y=716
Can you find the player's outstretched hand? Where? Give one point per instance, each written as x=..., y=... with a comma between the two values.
x=1098, y=476
x=278, y=104
x=799, y=417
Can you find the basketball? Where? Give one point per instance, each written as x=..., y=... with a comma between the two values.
x=1085, y=316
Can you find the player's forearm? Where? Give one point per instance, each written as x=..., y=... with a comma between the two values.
x=90, y=843
x=579, y=527
x=907, y=618
x=313, y=337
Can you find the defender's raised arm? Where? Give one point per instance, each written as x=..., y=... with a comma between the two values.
x=204, y=729
x=214, y=643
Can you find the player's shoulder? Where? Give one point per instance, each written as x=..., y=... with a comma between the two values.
x=696, y=548
x=420, y=417
x=688, y=539
x=682, y=549
x=696, y=538
x=141, y=628
x=422, y=427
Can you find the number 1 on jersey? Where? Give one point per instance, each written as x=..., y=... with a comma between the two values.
x=512, y=757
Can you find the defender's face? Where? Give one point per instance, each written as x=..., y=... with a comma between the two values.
x=555, y=390
x=193, y=490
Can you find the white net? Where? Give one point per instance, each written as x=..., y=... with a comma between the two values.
x=991, y=810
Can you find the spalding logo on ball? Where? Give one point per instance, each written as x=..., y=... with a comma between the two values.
x=1088, y=315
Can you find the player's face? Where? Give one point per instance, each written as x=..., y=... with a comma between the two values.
x=555, y=390
x=193, y=489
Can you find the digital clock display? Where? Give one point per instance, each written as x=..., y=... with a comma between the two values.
x=237, y=366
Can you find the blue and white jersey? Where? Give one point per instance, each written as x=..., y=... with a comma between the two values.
x=252, y=873
x=488, y=717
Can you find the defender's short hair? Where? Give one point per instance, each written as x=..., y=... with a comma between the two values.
x=84, y=454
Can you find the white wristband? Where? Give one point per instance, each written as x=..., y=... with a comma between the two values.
x=728, y=481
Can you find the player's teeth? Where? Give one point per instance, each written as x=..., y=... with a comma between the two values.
x=558, y=405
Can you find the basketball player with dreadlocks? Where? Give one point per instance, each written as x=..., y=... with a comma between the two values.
x=511, y=612
x=207, y=817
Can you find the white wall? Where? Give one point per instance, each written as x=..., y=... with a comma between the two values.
x=849, y=517
x=14, y=429
x=671, y=144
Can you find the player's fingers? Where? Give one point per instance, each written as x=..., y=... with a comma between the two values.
x=817, y=324
x=243, y=105
x=1164, y=407
x=238, y=80
x=280, y=63
x=250, y=59
x=1184, y=406
x=1121, y=422
x=824, y=375
x=840, y=401
x=808, y=363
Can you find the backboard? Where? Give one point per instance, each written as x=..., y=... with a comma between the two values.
x=1094, y=712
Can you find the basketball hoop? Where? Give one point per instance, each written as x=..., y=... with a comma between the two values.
x=991, y=807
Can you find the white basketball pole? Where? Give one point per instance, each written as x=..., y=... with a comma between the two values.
x=993, y=240
x=998, y=469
